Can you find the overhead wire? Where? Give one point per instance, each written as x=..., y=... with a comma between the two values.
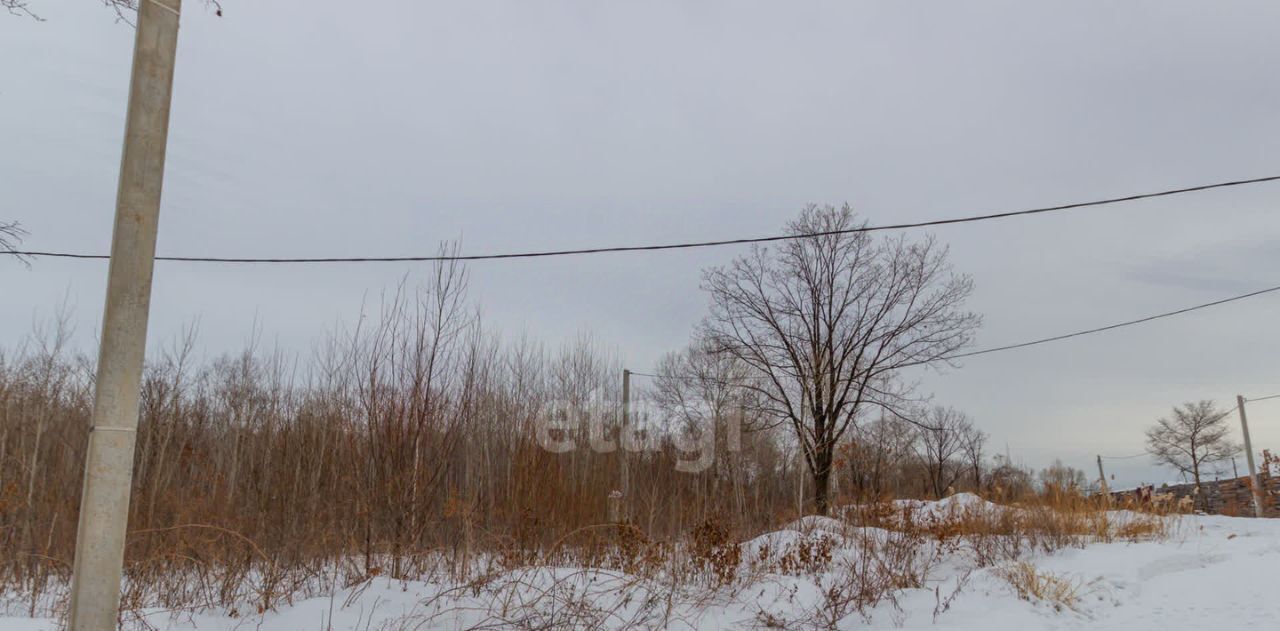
x=1124, y=457
x=1100, y=329
x=1117, y=325
x=658, y=247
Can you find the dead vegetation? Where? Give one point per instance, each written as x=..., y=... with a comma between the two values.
x=414, y=447
x=1036, y=585
x=258, y=483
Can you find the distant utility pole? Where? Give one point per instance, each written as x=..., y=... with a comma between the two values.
x=1102, y=479
x=1248, y=452
x=622, y=434
x=108, y=469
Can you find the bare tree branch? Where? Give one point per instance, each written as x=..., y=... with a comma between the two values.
x=19, y=7
x=124, y=9
x=11, y=235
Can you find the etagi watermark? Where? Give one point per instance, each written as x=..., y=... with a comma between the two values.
x=563, y=426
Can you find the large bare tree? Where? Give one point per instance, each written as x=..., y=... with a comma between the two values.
x=1196, y=437
x=827, y=321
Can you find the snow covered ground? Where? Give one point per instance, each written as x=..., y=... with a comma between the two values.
x=1211, y=572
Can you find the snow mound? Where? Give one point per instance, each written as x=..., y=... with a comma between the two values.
x=768, y=549
x=812, y=523
x=951, y=507
x=964, y=501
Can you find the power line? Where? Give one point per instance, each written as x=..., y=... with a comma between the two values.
x=1115, y=326
x=1100, y=329
x=668, y=246
x=1273, y=396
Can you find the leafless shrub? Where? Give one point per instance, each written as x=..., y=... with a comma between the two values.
x=715, y=552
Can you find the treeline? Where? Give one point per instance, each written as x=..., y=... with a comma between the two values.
x=418, y=438
x=414, y=433
x=421, y=433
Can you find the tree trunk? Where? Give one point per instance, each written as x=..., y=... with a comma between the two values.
x=822, y=481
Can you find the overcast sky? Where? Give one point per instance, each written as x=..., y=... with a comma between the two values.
x=305, y=128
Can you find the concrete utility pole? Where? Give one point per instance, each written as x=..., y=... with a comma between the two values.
x=108, y=471
x=1248, y=452
x=1102, y=480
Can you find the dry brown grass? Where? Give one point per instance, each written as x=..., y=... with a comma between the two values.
x=1038, y=523
x=1032, y=584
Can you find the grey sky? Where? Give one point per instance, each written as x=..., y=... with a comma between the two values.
x=309, y=128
